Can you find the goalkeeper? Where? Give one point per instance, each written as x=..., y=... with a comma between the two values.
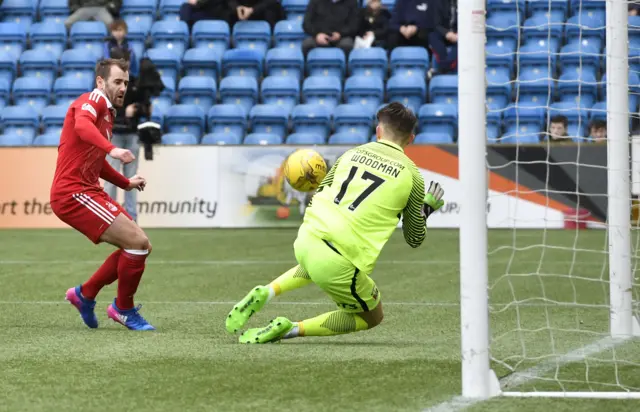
x=351, y=217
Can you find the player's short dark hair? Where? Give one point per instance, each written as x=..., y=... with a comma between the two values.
x=560, y=119
x=103, y=68
x=398, y=119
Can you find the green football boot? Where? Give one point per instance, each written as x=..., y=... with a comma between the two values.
x=273, y=332
x=243, y=310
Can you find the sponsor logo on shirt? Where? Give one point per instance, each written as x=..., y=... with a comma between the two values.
x=422, y=7
x=90, y=109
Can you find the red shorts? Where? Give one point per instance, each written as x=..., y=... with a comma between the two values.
x=89, y=213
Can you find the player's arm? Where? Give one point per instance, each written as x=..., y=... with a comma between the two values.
x=86, y=116
x=413, y=217
x=111, y=175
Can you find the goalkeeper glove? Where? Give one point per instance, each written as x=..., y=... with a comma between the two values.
x=433, y=199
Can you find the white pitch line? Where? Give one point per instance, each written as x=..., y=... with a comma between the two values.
x=278, y=262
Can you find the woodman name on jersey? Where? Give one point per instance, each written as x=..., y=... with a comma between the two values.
x=377, y=162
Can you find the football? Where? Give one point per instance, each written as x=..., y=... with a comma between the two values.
x=304, y=169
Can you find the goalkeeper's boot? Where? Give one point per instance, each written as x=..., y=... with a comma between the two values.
x=85, y=306
x=131, y=318
x=273, y=332
x=243, y=310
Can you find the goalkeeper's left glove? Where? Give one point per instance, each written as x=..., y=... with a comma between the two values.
x=433, y=199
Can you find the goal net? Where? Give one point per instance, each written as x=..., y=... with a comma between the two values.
x=547, y=304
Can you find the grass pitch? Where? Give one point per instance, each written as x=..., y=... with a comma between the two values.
x=50, y=362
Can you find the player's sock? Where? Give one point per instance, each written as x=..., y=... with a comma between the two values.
x=294, y=278
x=328, y=324
x=130, y=269
x=105, y=275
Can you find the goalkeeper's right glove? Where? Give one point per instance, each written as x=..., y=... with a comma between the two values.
x=433, y=199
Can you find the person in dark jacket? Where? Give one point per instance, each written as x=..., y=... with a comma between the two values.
x=330, y=23
x=443, y=41
x=118, y=41
x=411, y=22
x=270, y=11
x=193, y=11
x=99, y=10
x=374, y=23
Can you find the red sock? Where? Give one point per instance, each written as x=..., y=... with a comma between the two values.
x=105, y=275
x=130, y=269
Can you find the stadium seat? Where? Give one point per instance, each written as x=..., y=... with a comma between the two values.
x=5, y=93
x=19, y=11
x=312, y=119
x=8, y=67
x=21, y=121
x=326, y=61
x=242, y=62
x=438, y=119
x=138, y=8
x=408, y=90
x=53, y=11
x=353, y=119
x=295, y=9
x=170, y=35
x=578, y=57
x=166, y=61
x=634, y=92
x=537, y=56
x=253, y=35
x=580, y=29
x=598, y=112
x=170, y=9
x=280, y=90
x=283, y=61
x=211, y=34
x=556, y=9
x=498, y=90
x=269, y=119
x=433, y=138
x=305, y=139
x=410, y=61
x=289, y=33
x=580, y=88
x=239, y=90
x=67, y=88
x=79, y=63
x=389, y=4
x=185, y=118
x=633, y=25
x=533, y=88
x=138, y=31
x=227, y=119
x=89, y=36
x=262, y=139
x=198, y=90
x=502, y=32
x=543, y=29
x=15, y=139
x=348, y=138
x=577, y=117
x=179, y=139
x=494, y=126
x=581, y=6
x=368, y=62
x=53, y=118
x=368, y=91
x=322, y=90
x=32, y=91
x=221, y=139
x=523, y=125
x=158, y=113
x=13, y=38
x=444, y=89
x=507, y=9
x=47, y=139
x=38, y=64
x=166, y=98
x=202, y=62
x=51, y=37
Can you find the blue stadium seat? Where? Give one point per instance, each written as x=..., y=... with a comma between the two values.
x=633, y=25
x=89, y=36
x=353, y=119
x=32, y=91
x=8, y=67
x=555, y=9
x=221, y=139
x=537, y=56
x=305, y=139
x=139, y=27
x=137, y=8
x=67, y=88
x=167, y=96
x=283, y=61
x=14, y=139
x=202, y=62
x=19, y=11
x=444, y=89
x=580, y=88
x=242, y=62
x=326, y=61
x=580, y=29
x=198, y=90
x=581, y=6
x=389, y=4
x=598, y=111
x=433, y=138
x=53, y=118
x=523, y=125
x=38, y=64
x=408, y=90
x=507, y=9
x=269, y=119
x=543, y=29
x=312, y=119
x=368, y=62
x=53, y=11
x=211, y=34
x=263, y=139
x=411, y=61
x=439, y=119
x=596, y=14
x=322, y=90
x=280, y=90
x=502, y=32
x=578, y=118
x=227, y=119
x=51, y=37
x=157, y=115
x=185, y=118
x=634, y=92
x=295, y=9
x=47, y=139
x=289, y=33
x=348, y=138
x=239, y=90
x=170, y=35
x=580, y=57
x=533, y=88
x=21, y=121
x=494, y=126
x=13, y=38
x=368, y=91
x=254, y=35
x=498, y=90
x=5, y=93
x=79, y=63
x=170, y=9
x=179, y=139
x=166, y=61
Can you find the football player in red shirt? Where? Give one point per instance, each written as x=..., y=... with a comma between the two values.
x=78, y=199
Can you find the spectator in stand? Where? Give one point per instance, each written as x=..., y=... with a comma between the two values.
x=374, y=25
x=410, y=24
x=269, y=10
x=634, y=8
x=598, y=131
x=99, y=10
x=330, y=23
x=443, y=41
x=558, y=129
x=192, y=11
x=118, y=42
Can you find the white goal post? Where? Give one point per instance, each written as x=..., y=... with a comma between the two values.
x=478, y=378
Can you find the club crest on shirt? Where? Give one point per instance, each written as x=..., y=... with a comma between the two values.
x=90, y=109
x=106, y=118
x=111, y=206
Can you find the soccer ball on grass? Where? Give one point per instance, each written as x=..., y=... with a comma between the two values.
x=304, y=169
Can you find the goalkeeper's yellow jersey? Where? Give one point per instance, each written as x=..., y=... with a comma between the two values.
x=361, y=200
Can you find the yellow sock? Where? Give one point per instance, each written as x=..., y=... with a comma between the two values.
x=332, y=323
x=294, y=278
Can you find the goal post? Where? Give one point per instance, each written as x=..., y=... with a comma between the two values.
x=615, y=283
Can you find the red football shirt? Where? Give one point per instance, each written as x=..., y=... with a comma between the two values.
x=84, y=143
